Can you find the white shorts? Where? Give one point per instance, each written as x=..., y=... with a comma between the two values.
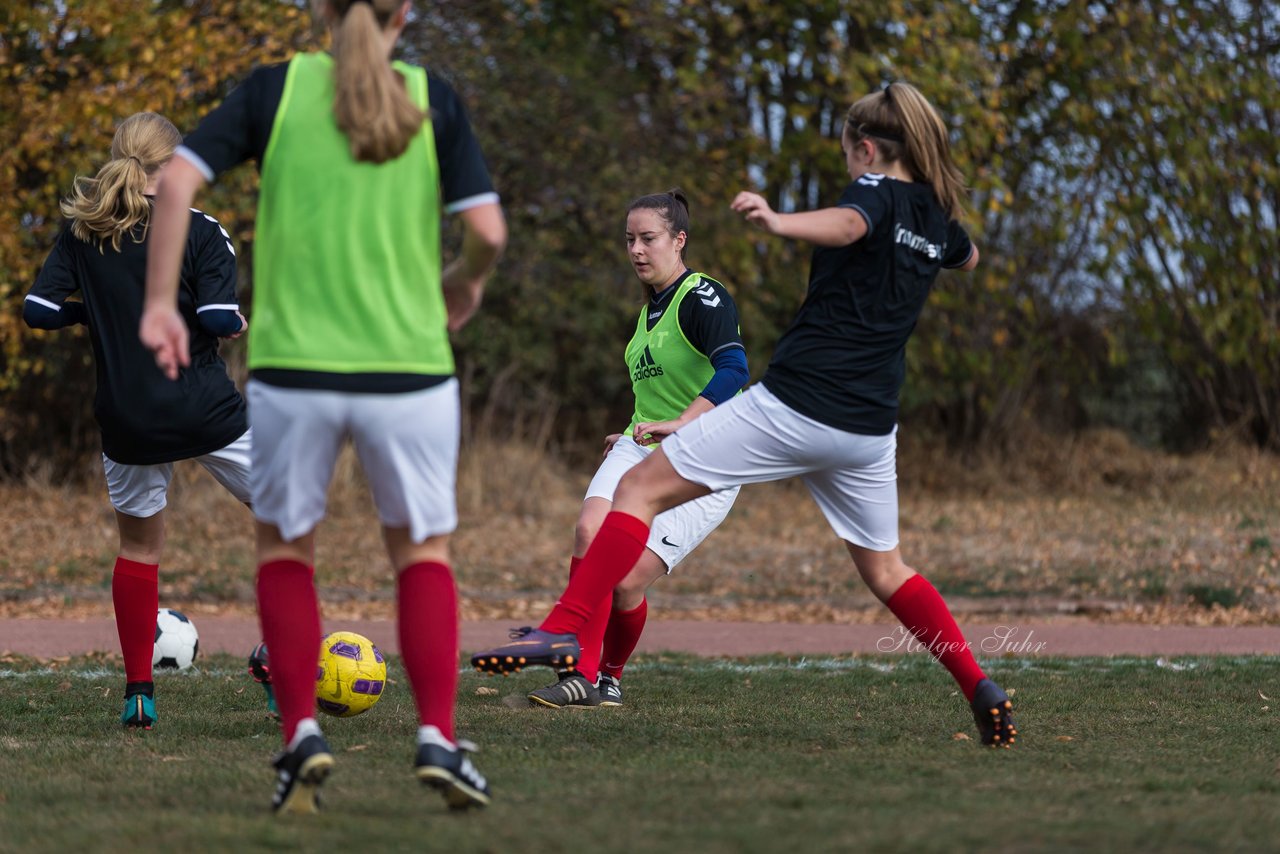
x=407, y=445
x=755, y=438
x=675, y=532
x=143, y=491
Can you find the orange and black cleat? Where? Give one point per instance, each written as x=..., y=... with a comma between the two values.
x=993, y=712
x=529, y=647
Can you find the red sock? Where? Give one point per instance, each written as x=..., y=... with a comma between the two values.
x=290, y=618
x=613, y=553
x=625, y=628
x=591, y=635
x=920, y=608
x=427, y=621
x=135, y=592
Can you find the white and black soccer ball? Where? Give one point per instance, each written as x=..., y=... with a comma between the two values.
x=177, y=641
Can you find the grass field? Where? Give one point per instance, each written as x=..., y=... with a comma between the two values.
x=759, y=755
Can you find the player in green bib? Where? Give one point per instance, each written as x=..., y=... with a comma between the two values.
x=685, y=357
x=358, y=156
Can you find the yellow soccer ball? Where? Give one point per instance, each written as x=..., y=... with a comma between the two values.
x=351, y=675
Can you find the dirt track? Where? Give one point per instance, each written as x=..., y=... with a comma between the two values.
x=45, y=638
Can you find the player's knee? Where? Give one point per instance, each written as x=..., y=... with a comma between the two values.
x=583, y=533
x=636, y=489
x=885, y=578
x=629, y=592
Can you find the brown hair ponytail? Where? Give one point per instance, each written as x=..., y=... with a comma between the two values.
x=111, y=204
x=370, y=102
x=672, y=206
x=906, y=128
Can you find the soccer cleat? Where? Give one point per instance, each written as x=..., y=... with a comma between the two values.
x=301, y=771
x=139, y=711
x=446, y=768
x=260, y=670
x=571, y=690
x=993, y=712
x=610, y=690
x=529, y=647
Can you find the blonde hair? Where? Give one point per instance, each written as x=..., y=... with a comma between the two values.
x=907, y=129
x=370, y=103
x=112, y=204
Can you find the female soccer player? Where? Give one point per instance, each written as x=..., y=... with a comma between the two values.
x=685, y=357
x=147, y=422
x=357, y=156
x=826, y=408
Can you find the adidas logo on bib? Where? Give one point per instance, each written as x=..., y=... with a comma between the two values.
x=645, y=368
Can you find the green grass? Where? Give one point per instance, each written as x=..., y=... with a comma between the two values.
x=759, y=755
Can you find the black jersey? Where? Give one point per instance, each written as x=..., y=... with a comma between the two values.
x=240, y=128
x=708, y=316
x=843, y=360
x=145, y=418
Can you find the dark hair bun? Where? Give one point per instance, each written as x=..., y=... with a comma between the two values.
x=678, y=194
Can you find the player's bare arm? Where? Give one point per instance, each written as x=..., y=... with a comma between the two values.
x=825, y=227
x=163, y=331
x=464, y=278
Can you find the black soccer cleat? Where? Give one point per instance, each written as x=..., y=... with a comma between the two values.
x=260, y=665
x=300, y=773
x=993, y=712
x=260, y=670
x=530, y=647
x=448, y=770
x=610, y=690
x=571, y=690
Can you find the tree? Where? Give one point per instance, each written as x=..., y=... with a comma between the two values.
x=68, y=73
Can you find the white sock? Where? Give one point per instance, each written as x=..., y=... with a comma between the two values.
x=431, y=735
x=306, y=727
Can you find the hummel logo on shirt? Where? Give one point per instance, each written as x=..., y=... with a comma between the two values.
x=905, y=237
x=645, y=367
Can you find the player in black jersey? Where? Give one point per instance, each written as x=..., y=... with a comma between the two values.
x=147, y=422
x=826, y=408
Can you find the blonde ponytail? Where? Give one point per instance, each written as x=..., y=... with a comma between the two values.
x=907, y=129
x=370, y=103
x=112, y=204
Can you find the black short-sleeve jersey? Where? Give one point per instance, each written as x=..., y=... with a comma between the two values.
x=843, y=360
x=239, y=129
x=708, y=315
x=145, y=418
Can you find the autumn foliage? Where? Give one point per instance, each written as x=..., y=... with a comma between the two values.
x=1124, y=161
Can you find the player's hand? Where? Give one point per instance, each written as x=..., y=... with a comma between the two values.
x=164, y=333
x=756, y=211
x=653, y=432
x=609, y=442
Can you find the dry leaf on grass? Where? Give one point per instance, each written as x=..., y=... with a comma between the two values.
x=1047, y=533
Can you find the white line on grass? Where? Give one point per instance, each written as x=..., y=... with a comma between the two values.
x=905, y=664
